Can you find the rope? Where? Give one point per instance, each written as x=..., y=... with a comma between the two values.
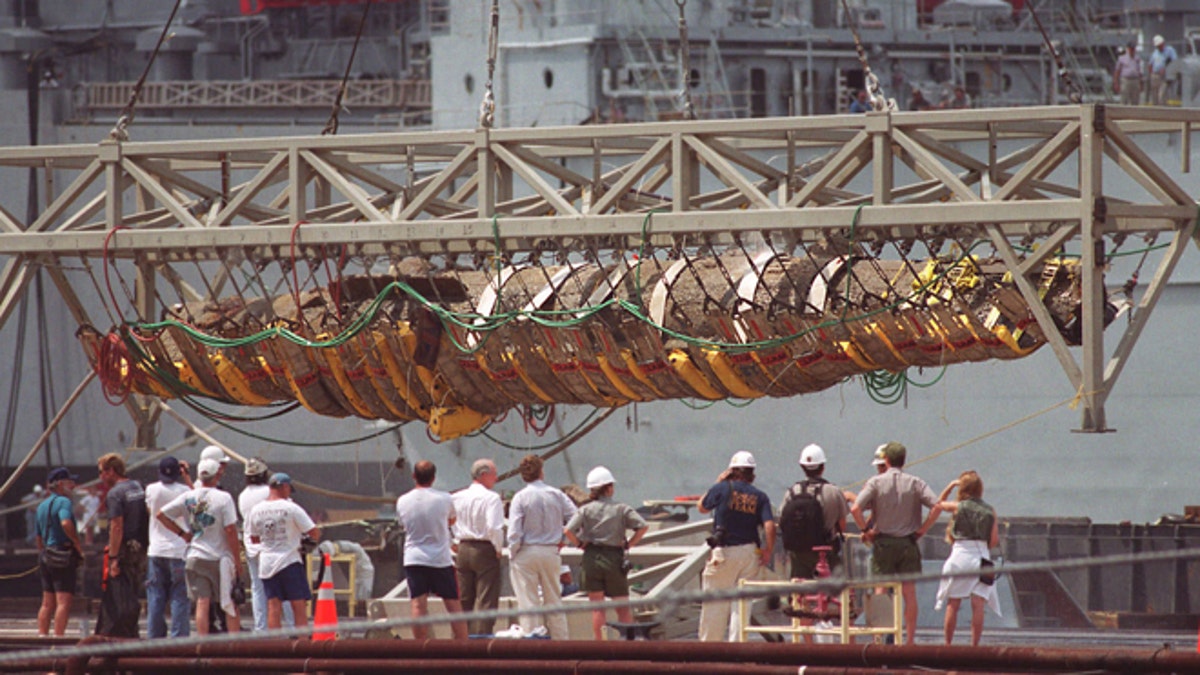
x=566, y=443
x=107, y=263
x=331, y=127
x=505, y=444
x=7, y=577
x=1073, y=401
x=120, y=131
x=115, y=368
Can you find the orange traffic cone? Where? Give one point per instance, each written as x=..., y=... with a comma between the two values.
x=325, y=617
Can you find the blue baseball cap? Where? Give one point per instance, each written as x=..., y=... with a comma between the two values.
x=168, y=469
x=280, y=479
x=61, y=473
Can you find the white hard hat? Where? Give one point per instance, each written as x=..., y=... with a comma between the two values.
x=1158, y=40
x=208, y=468
x=214, y=453
x=811, y=456
x=742, y=460
x=879, y=460
x=599, y=477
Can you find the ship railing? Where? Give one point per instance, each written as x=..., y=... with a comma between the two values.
x=410, y=94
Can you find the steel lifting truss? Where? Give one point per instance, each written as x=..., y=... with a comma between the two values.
x=1028, y=181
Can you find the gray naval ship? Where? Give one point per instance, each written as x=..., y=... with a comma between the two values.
x=232, y=69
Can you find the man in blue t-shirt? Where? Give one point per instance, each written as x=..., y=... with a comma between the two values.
x=54, y=525
x=1162, y=56
x=738, y=509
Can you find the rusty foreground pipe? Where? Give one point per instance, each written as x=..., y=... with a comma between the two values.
x=201, y=665
x=992, y=658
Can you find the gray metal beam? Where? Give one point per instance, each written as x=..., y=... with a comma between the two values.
x=1092, y=215
x=456, y=181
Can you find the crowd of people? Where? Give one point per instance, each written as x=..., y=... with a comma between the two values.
x=893, y=510
x=179, y=537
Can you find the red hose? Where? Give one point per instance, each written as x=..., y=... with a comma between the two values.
x=115, y=368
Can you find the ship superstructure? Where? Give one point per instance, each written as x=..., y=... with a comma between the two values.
x=230, y=71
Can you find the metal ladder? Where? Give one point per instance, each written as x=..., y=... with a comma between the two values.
x=1080, y=54
x=716, y=74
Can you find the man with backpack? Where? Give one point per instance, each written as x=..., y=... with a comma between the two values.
x=813, y=514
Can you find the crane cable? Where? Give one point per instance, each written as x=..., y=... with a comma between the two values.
x=119, y=131
x=331, y=127
x=1064, y=74
x=487, y=108
x=879, y=101
x=685, y=68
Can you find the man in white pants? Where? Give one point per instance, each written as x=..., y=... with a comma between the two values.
x=536, y=519
x=738, y=509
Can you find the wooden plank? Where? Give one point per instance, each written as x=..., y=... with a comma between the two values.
x=1044, y=161
x=443, y=178
x=935, y=168
x=725, y=171
x=247, y=191
x=534, y=180
x=652, y=157
x=822, y=178
x=351, y=191
x=1141, y=168
x=145, y=179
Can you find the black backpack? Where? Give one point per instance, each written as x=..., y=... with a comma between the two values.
x=802, y=521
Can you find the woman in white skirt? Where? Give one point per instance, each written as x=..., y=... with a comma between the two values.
x=973, y=531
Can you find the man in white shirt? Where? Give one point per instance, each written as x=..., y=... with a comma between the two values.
x=89, y=518
x=211, y=534
x=427, y=515
x=537, y=516
x=276, y=527
x=255, y=493
x=165, y=576
x=479, y=534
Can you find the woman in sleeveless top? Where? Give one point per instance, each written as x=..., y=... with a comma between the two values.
x=973, y=530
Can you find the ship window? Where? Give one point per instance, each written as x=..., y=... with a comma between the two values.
x=469, y=83
x=758, y=92
x=973, y=83
x=548, y=77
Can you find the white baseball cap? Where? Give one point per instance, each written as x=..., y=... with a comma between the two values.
x=1158, y=40
x=812, y=456
x=208, y=468
x=214, y=453
x=742, y=460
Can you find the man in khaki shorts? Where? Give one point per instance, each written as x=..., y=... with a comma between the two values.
x=212, y=536
x=895, y=498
